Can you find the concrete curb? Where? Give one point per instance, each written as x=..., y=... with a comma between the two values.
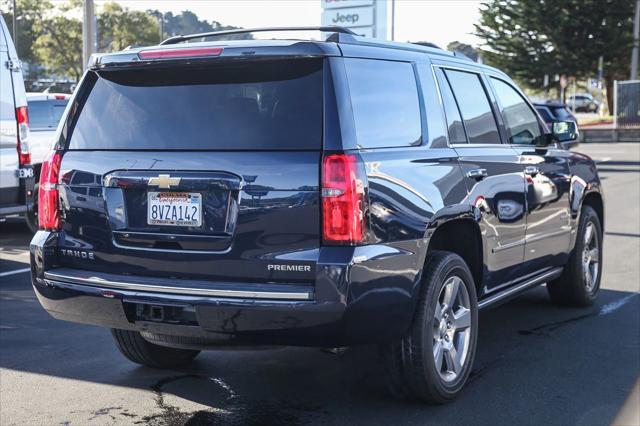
x=609, y=135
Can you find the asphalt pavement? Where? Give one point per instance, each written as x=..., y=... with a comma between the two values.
x=536, y=363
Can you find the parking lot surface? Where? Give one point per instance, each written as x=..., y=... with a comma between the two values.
x=536, y=363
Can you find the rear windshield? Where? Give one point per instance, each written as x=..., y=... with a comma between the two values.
x=562, y=113
x=254, y=105
x=46, y=114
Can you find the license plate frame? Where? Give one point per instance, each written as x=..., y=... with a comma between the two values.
x=166, y=208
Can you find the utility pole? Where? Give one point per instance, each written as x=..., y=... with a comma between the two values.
x=393, y=20
x=636, y=42
x=88, y=32
x=15, y=25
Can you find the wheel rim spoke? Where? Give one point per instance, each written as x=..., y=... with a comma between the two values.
x=594, y=255
x=462, y=319
x=451, y=291
x=588, y=276
x=438, y=355
x=588, y=234
x=438, y=312
x=453, y=361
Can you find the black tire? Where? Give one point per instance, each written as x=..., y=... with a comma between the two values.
x=135, y=348
x=572, y=288
x=409, y=362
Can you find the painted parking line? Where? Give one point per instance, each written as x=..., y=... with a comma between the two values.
x=616, y=304
x=17, y=271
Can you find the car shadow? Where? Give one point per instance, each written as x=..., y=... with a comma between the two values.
x=536, y=363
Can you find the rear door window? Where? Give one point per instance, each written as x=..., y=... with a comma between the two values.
x=451, y=111
x=275, y=105
x=384, y=98
x=474, y=105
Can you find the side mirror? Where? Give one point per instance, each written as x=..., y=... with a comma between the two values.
x=564, y=131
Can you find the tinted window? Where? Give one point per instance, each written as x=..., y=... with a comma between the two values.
x=562, y=113
x=451, y=111
x=253, y=105
x=45, y=114
x=544, y=114
x=521, y=122
x=384, y=98
x=474, y=106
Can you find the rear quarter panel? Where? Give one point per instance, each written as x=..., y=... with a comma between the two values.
x=584, y=180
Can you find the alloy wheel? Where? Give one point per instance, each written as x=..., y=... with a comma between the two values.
x=590, y=257
x=451, y=329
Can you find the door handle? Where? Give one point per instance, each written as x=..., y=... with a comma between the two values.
x=531, y=170
x=477, y=174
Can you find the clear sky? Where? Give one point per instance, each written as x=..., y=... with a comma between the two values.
x=437, y=21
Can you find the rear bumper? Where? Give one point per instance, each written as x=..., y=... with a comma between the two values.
x=361, y=295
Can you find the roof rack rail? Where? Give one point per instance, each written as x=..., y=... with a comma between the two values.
x=427, y=44
x=331, y=29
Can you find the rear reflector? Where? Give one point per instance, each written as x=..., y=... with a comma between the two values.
x=180, y=53
x=24, y=152
x=342, y=200
x=48, y=203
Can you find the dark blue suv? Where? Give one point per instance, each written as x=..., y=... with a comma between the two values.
x=323, y=193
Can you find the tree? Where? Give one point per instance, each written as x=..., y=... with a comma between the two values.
x=120, y=27
x=465, y=49
x=58, y=44
x=29, y=12
x=50, y=33
x=531, y=38
x=188, y=23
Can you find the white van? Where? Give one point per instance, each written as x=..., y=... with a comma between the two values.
x=16, y=172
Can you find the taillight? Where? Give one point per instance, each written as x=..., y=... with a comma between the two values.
x=189, y=52
x=24, y=152
x=342, y=200
x=48, y=203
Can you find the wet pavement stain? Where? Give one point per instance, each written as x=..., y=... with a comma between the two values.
x=106, y=411
x=226, y=407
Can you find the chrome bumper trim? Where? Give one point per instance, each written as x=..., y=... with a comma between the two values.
x=96, y=281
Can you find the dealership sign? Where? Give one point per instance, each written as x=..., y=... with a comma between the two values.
x=333, y=4
x=349, y=17
x=364, y=17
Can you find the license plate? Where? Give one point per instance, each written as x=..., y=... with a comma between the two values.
x=174, y=208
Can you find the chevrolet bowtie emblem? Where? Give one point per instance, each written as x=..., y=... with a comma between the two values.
x=164, y=181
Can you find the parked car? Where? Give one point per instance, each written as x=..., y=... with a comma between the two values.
x=583, y=102
x=45, y=111
x=16, y=173
x=553, y=112
x=315, y=193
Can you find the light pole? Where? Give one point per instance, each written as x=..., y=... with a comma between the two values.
x=636, y=42
x=393, y=20
x=88, y=33
x=15, y=25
